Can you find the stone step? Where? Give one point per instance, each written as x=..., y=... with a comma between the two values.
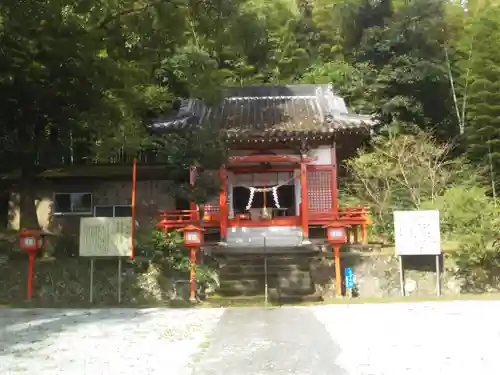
x=243, y=266
x=281, y=298
x=227, y=301
x=286, y=284
x=271, y=260
x=296, y=283
x=283, y=250
x=231, y=293
x=242, y=285
x=245, y=271
x=242, y=273
x=259, y=267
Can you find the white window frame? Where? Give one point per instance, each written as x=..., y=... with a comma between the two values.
x=73, y=213
x=111, y=205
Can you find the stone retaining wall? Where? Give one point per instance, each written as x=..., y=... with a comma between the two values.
x=65, y=282
x=378, y=276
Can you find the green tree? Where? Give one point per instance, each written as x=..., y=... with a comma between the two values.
x=475, y=67
x=405, y=172
x=80, y=81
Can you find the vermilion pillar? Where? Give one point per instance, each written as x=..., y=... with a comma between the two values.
x=192, y=275
x=335, y=188
x=304, y=205
x=338, y=279
x=223, y=209
x=192, y=180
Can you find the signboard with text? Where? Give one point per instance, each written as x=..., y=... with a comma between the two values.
x=417, y=232
x=106, y=237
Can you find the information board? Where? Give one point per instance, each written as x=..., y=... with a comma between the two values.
x=106, y=237
x=417, y=232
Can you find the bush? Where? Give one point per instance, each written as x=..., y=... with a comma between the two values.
x=169, y=250
x=478, y=262
x=464, y=211
x=471, y=218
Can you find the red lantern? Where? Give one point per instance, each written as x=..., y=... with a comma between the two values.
x=193, y=236
x=336, y=233
x=31, y=241
x=193, y=239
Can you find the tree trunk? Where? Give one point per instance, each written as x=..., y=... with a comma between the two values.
x=27, y=201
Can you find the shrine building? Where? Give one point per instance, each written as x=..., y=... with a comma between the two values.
x=287, y=146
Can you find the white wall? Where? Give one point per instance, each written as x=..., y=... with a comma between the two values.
x=323, y=154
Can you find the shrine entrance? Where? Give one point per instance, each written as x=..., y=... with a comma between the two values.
x=263, y=199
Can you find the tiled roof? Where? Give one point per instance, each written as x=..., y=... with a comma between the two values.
x=268, y=110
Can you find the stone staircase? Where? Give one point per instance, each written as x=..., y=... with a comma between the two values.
x=242, y=272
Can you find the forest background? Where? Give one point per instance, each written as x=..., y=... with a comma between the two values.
x=81, y=78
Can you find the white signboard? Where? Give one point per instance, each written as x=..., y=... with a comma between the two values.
x=106, y=237
x=417, y=232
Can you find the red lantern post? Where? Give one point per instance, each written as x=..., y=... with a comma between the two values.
x=31, y=241
x=193, y=239
x=336, y=234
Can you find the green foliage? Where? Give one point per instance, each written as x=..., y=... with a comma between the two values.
x=406, y=172
x=80, y=80
x=465, y=211
x=403, y=172
x=168, y=249
x=470, y=218
x=478, y=261
x=477, y=75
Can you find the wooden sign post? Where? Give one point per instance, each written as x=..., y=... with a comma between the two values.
x=105, y=237
x=417, y=233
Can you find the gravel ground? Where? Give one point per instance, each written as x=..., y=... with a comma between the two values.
x=447, y=338
x=108, y=341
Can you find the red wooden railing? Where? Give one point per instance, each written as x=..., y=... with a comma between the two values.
x=181, y=218
x=177, y=218
x=344, y=214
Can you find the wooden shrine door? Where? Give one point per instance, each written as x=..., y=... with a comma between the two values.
x=320, y=185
